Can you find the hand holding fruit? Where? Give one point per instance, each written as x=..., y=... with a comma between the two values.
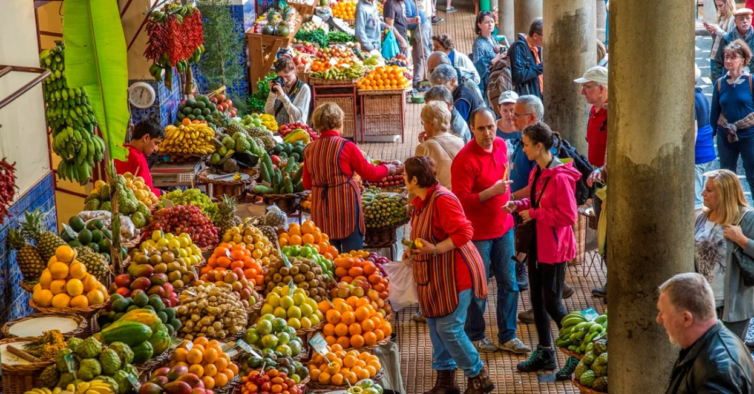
x=421, y=246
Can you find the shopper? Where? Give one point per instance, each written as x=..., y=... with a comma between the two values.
x=458, y=125
x=733, y=111
x=506, y=125
x=743, y=31
x=480, y=180
x=449, y=275
x=289, y=97
x=438, y=58
x=704, y=148
x=526, y=61
x=444, y=43
x=551, y=210
x=330, y=163
x=421, y=41
x=724, y=24
x=725, y=225
x=147, y=136
x=712, y=359
x=486, y=51
x=368, y=27
x=440, y=144
x=395, y=17
x=594, y=89
x=464, y=100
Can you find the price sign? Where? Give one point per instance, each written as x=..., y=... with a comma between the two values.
x=228, y=346
x=189, y=292
x=291, y=287
x=319, y=344
x=590, y=314
x=71, y=364
x=175, y=342
x=247, y=348
x=134, y=382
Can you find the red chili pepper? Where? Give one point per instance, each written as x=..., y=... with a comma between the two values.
x=7, y=187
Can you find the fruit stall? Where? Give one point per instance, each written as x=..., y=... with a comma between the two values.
x=274, y=30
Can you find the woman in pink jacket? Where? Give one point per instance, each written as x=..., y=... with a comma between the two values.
x=551, y=212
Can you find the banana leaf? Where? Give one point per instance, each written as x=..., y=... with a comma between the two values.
x=96, y=59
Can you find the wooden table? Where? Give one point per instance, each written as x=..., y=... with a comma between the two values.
x=263, y=50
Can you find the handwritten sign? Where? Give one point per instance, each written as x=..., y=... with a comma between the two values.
x=319, y=344
x=291, y=287
x=228, y=346
x=247, y=348
x=134, y=382
x=168, y=203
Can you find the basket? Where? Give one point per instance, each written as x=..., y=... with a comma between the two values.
x=27, y=286
x=382, y=110
x=570, y=353
x=86, y=312
x=257, y=306
x=18, y=379
x=150, y=366
x=382, y=92
x=132, y=244
x=305, y=331
x=383, y=237
x=286, y=202
x=584, y=389
x=231, y=188
x=323, y=81
x=316, y=387
x=349, y=118
x=78, y=332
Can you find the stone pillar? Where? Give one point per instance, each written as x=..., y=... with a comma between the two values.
x=650, y=182
x=569, y=50
x=506, y=16
x=526, y=11
x=600, y=19
x=710, y=12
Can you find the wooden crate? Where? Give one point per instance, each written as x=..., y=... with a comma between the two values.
x=349, y=120
x=382, y=112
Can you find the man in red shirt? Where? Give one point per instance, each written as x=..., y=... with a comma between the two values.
x=146, y=138
x=479, y=176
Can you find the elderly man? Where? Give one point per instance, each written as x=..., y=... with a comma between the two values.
x=743, y=31
x=506, y=125
x=466, y=77
x=458, y=125
x=464, y=100
x=479, y=175
x=712, y=359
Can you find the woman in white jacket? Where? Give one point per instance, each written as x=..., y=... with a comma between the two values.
x=443, y=43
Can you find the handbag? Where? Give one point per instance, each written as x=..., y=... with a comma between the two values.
x=745, y=263
x=523, y=233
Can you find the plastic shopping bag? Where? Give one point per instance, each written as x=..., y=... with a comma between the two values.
x=390, y=46
x=402, y=287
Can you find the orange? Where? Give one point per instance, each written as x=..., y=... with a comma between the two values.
x=324, y=378
x=324, y=306
x=43, y=297
x=336, y=348
x=372, y=371
x=295, y=240
x=221, y=380
x=357, y=341
x=330, y=340
x=59, y=270
x=194, y=356
x=379, y=333
x=362, y=301
x=210, y=370
x=367, y=325
x=221, y=364
x=61, y=300
x=328, y=329
x=180, y=354
x=80, y=301
x=337, y=379
x=314, y=374
x=201, y=341
x=210, y=355
x=95, y=297
x=199, y=347
x=374, y=364
x=307, y=239
x=65, y=254
x=348, y=318
x=361, y=364
x=362, y=313
x=308, y=227
x=209, y=382
x=349, y=361
x=352, y=301
x=341, y=330
x=364, y=356
x=334, y=367
x=77, y=270
x=197, y=370
x=45, y=279
x=344, y=342
x=386, y=328
x=229, y=373
x=74, y=287
x=370, y=338
x=294, y=229
x=333, y=316
x=354, y=329
x=57, y=286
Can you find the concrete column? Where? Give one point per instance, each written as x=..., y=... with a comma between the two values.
x=710, y=12
x=506, y=16
x=526, y=11
x=569, y=50
x=600, y=19
x=650, y=182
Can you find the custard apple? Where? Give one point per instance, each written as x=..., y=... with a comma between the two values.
x=580, y=369
x=106, y=206
x=73, y=343
x=113, y=384
x=88, y=369
x=123, y=383
x=131, y=370
x=92, y=205
x=104, y=193
x=124, y=352
x=65, y=379
x=89, y=348
x=587, y=378
x=138, y=219
x=600, y=384
x=60, y=360
x=588, y=358
x=49, y=377
x=602, y=359
x=599, y=369
x=110, y=361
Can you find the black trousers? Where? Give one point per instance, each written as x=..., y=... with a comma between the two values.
x=546, y=283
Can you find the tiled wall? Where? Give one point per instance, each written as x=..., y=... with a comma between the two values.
x=14, y=301
x=165, y=107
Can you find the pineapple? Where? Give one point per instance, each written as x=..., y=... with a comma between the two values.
x=29, y=261
x=47, y=242
x=227, y=214
x=275, y=218
x=234, y=128
x=269, y=232
x=96, y=263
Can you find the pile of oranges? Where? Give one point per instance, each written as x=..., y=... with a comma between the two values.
x=353, y=323
x=355, y=270
x=383, y=78
x=206, y=360
x=308, y=234
x=341, y=366
x=229, y=256
x=345, y=9
x=65, y=283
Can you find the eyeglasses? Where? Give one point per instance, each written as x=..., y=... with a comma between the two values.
x=589, y=86
x=522, y=115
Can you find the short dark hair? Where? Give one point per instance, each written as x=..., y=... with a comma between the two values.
x=150, y=127
x=423, y=169
x=444, y=40
x=479, y=110
x=536, y=27
x=540, y=132
x=480, y=19
x=285, y=63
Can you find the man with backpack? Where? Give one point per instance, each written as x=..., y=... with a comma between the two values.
x=526, y=61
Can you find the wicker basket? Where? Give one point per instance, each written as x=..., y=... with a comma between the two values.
x=570, y=353
x=287, y=203
x=27, y=286
x=87, y=312
x=349, y=119
x=584, y=389
x=18, y=379
x=323, y=81
x=381, y=111
x=316, y=387
x=79, y=332
x=231, y=188
x=153, y=364
x=132, y=244
x=382, y=237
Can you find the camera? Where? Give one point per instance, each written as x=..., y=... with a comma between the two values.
x=279, y=80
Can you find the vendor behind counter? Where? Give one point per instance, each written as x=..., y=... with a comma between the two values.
x=290, y=98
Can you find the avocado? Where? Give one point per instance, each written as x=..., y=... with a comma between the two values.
x=76, y=223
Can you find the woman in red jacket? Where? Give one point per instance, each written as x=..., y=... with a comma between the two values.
x=329, y=164
x=551, y=211
x=448, y=271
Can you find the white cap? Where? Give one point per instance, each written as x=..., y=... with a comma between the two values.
x=595, y=74
x=508, y=96
x=742, y=11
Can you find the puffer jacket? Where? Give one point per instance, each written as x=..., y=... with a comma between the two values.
x=717, y=363
x=557, y=211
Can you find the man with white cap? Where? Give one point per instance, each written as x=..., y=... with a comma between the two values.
x=506, y=128
x=743, y=31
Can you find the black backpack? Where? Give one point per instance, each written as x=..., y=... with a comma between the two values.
x=582, y=165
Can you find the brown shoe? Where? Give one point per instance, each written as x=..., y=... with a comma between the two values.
x=445, y=384
x=567, y=291
x=480, y=384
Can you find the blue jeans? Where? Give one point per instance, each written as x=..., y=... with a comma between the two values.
x=497, y=256
x=729, y=152
x=451, y=348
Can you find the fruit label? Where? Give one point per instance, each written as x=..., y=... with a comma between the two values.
x=590, y=314
x=291, y=287
x=247, y=348
x=71, y=364
x=69, y=231
x=285, y=258
x=191, y=293
x=228, y=347
x=168, y=203
x=134, y=382
x=319, y=344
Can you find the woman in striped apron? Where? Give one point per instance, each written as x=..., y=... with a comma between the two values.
x=448, y=271
x=329, y=164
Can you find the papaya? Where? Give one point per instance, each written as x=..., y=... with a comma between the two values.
x=160, y=342
x=142, y=352
x=129, y=332
x=149, y=319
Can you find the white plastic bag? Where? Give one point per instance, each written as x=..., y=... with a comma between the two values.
x=402, y=286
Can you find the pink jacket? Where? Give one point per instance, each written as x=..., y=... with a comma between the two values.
x=557, y=212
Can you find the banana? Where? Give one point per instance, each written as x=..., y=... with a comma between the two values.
x=57, y=390
x=82, y=387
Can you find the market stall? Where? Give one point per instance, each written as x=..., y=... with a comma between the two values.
x=274, y=30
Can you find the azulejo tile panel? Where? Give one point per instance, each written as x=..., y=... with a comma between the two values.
x=165, y=105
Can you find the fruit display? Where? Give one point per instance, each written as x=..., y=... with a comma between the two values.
x=234, y=266
x=175, y=41
x=313, y=25
x=298, y=137
x=71, y=119
x=390, y=182
x=187, y=219
x=300, y=311
x=206, y=360
x=91, y=234
x=310, y=252
x=272, y=335
x=288, y=128
x=94, y=363
x=341, y=368
x=399, y=60
x=32, y=259
x=346, y=71
x=101, y=385
x=47, y=346
x=385, y=77
x=179, y=380
x=65, y=283
x=238, y=143
x=142, y=329
x=577, y=332
x=120, y=305
x=340, y=37
x=191, y=197
x=308, y=234
x=277, y=180
x=354, y=269
x=345, y=9
x=255, y=241
x=188, y=139
x=260, y=120
x=316, y=38
x=141, y=190
x=383, y=209
x=211, y=311
x=277, y=21
x=354, y=322
x=287, y=150
x=306, y=274
x=592, y=369
x=271, y=381
x=202, y=108
x=128, y=202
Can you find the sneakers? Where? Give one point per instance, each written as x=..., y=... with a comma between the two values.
x=436, y=19
x=541, y=359
x=526, y=317
x=485, y=346
x=521, y=277
x=450, y=10
x=600, y=292
x=421, y=88
x=514, y=346
x=419, y=317
x=567, y=291
x=566, y=372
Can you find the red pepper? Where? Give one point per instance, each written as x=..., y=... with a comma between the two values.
x=7, y=187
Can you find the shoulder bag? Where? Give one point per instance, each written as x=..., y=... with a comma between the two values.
x=523, y=233
x=745, y=262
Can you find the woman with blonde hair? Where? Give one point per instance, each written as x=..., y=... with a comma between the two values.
x=724, y=24
x=725, y=227
x=440, y=145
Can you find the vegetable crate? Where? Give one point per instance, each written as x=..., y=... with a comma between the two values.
x=306, y=10
x=384, y=111
x=345, y=97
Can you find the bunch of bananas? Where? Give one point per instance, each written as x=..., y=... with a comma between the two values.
x=577, y=332
x=269, y=122
x=188, y=139
x=45, y=390
x=95, y=386
x=355, y=70
x=71, y=118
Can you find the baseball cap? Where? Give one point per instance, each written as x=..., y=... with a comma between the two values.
x=508, y=96
x=595, y=74
x=742, y=11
